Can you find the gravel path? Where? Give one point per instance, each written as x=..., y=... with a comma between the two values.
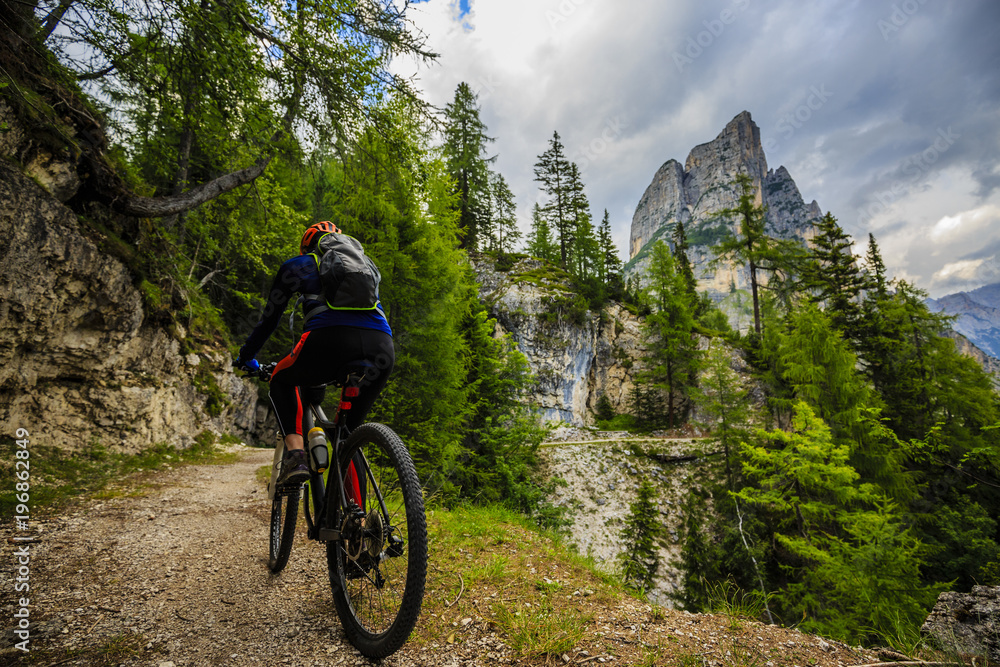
x=177, y=576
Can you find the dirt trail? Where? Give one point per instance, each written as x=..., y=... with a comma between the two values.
x=178, y=576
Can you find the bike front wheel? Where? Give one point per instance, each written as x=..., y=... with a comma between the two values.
x=284, y=513
x=379, y=566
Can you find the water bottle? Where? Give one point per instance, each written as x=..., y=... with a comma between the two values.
x=318, y=449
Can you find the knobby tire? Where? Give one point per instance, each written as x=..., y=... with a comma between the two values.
x=282, y=528
x=378, y=598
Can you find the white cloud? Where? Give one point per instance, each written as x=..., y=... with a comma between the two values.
x=967, y=226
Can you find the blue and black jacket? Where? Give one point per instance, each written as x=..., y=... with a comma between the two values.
x=299, y=275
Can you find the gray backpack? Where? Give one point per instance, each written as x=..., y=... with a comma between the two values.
x=349, y=277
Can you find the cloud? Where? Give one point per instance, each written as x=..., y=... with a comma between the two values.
x=967, y=226
x=905, y=134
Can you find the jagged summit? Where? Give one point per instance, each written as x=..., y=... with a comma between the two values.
x=697, y=193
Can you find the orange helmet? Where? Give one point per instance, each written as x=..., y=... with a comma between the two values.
x=313, y=234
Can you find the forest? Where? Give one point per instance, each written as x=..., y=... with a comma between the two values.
x=214, y=132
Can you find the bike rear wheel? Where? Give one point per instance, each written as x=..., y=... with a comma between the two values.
x=284, y=513
x=379, y=566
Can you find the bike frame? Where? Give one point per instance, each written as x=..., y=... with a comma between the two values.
x=324, y=526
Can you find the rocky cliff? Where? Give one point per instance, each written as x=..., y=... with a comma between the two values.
x=977, y=316
x=577, y=355
x=697, y=193
x=80, y=360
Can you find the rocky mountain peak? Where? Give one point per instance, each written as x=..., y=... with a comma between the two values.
x=697, y=194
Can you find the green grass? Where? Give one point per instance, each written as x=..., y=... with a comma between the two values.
x=737, y=605
x=58, y=476
x=492, y=563
x=538, y=630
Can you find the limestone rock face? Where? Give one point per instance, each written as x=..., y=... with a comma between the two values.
x=697, y=194
x=967, y=623
x=78, y=360
x=576, y=355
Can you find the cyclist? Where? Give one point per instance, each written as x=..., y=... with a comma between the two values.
x=331, y=339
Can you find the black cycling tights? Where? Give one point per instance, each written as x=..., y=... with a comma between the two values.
x=323, y=356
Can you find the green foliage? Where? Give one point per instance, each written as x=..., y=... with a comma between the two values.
x=713, y=553
x=672, y=353
x=464, y=152
x=723, y=399
x=641, y=534
x=502, y=434
x=205, y=382
x=605, y=411
x=851, y=562
x=831, y=277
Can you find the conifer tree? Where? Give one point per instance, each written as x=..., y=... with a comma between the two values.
x=504, y=231
x=540, y=243
x=583, y=244
x=641, y=535
x=610, y=270
x=553, y=172
x=853, y=564
x=721, y=396
x=465, y=143
x=832, y=277
x=875, y=268
x=779, y=260
x=819, y=365
x=751, y=245
x=683, y=263
x=672, y=351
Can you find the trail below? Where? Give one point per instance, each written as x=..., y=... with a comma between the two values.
x=178, y=576
x=171, y=572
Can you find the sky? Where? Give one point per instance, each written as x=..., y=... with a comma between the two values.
x=886, y=112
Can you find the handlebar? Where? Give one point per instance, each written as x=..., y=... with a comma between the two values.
x=264, y=372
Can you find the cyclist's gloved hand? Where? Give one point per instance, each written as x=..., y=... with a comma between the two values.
x=252, y=366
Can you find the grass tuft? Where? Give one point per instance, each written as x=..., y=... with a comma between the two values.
x=59, y=476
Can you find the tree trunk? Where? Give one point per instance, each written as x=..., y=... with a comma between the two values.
x=53, y=18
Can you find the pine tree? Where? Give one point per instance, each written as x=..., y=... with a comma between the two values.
x=683, y=263
x=875, y=268
x=610, y=270
x=779, y=260
x=832, y=277
x=505, y=233
x=751, y=245
x=672, y=353
x=553, y=172
x=584, y=249
x=540, y=243
x=853, y=566
x=721, y=396
x=641, y=535
x=465, y=154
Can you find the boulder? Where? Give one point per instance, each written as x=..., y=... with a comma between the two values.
x=967, y=623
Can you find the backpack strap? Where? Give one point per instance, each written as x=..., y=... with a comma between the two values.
x=317, y=309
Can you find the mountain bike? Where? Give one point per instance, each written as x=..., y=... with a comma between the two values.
x=366, y=504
